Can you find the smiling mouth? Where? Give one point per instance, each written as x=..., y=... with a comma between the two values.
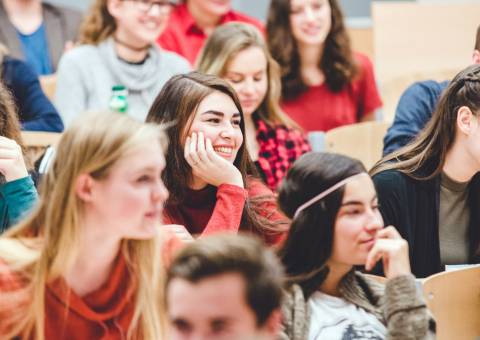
x=224, y=150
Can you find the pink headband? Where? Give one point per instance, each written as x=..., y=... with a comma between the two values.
x=325, y=193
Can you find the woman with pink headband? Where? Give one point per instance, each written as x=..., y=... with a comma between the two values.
x=336, y=227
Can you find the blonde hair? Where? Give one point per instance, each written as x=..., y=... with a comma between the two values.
x=44, y=246
x=97, y=25
x=224, y=44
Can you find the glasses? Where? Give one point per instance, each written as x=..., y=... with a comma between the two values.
x=146, y=5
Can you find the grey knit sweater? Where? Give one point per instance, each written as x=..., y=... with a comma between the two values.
x=397, y=304
x=87, y=73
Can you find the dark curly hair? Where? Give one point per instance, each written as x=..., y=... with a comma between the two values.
x=337, y=63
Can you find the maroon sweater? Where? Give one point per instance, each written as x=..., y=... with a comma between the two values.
x=213, y=209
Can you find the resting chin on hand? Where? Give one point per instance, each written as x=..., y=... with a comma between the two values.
x=12, y=164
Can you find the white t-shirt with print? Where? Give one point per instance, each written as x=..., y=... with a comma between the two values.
x=334, y=318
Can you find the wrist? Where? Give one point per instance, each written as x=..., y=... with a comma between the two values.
x=14, y=174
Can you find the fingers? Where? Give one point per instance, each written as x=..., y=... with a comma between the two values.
x=190, y=151
x=389, y=233
x=180, y=232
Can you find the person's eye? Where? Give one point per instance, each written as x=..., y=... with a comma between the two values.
x=218, y=327
x=236, y=122
x=376, y=206
x=144, y=179
x=296, y=10
x=182, y=326
x=213, y=120
x=235, y=80
x=258, y=78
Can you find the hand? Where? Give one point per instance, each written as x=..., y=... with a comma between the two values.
x=12, y=164
x=393, y=250
x=69, y=45
x=209, y=166
x=180, y=232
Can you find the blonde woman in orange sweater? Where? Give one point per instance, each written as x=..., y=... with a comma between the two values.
x=86, y=264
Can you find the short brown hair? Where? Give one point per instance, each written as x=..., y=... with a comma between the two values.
x=227, y=253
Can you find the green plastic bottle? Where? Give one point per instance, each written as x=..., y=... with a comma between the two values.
x=118, y=101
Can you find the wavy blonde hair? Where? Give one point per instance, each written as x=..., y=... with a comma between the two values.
x=224, y=44
x=97, y=25
x=45, y=245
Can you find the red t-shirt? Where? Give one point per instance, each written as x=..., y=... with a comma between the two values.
x=320, y=109
x=183, y=36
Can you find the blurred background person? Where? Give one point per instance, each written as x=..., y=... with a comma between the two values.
x=117, y=49
x=35, y=111
x=324, y=83
x=192, y=21
x=38, y=32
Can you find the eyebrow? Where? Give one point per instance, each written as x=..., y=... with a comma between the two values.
x=219, y=113
x=357, y=202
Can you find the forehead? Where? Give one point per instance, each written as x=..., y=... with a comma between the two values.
x=216, y=297
x=149, y=154
x=217, y=101
x=360, y=189
x=249, y=60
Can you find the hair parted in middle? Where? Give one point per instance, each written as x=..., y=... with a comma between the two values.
x=224, y=44
x=310, y=240
x=337, y=63
x=44, y=246
x=175, y=107
x=236, y=254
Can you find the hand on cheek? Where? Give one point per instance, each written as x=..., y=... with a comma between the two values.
x=207, y=165
x=393, y=250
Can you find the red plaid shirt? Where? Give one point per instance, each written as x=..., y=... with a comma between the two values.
x=279, y=148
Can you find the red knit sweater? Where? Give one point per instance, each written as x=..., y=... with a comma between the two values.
x=213, y=209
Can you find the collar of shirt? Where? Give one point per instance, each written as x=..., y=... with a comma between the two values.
x=189, y=24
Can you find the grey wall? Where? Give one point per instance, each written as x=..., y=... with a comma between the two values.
x=256, y=8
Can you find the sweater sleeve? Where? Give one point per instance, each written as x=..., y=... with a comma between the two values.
x=20, y=195
x=35, y=110
x=405, y=310
x=228, y=210
x=71, y=91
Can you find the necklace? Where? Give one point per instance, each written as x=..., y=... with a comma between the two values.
x=130, y=47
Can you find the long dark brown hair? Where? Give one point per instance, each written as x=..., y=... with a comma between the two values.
x=337, y=63
x=310, y=240
x=174, y=107
x=423, y=159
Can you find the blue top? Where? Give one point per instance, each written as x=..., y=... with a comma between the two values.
x=16, y=200
x=35, y=111
x=35, y=49
x=414, y=110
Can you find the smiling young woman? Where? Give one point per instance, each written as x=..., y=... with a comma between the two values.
x=117, y=48
x=209, y=174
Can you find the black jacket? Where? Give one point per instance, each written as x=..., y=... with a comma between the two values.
x=412, y=206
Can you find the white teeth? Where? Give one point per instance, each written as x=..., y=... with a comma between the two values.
x=223, y=149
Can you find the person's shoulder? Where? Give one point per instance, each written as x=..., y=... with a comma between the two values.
x=16, y=65
x=390, y=178
x=362, y=60
x=241, y=17
x=81, y=54
x=427, y=86
x=66, y=12
x=173, y=59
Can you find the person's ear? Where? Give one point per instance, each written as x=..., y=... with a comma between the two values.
x=273, y=324
x=83, y=187
x=476, y=57
x=466, y=120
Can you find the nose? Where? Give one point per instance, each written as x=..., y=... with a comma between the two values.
x=375, y=221
x=248, y=87
x=309, y=14
x=227, y=130
x=160, y=192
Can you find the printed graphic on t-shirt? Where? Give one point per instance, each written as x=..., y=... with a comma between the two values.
x=334, y=318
